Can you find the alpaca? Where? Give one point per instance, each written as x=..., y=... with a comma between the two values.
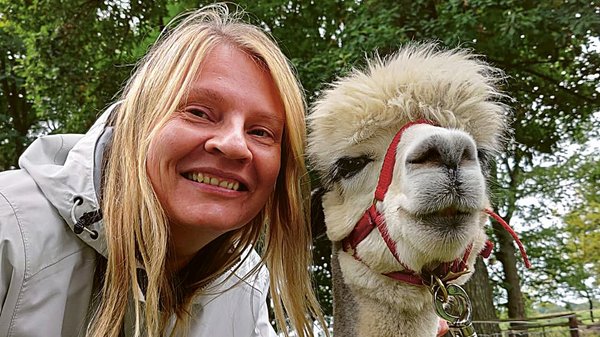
x=442, y=115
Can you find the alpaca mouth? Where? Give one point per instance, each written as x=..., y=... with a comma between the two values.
x=450, y=212
x=444, y=213
x=447, y=219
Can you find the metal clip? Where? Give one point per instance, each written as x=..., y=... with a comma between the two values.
x=452, y=304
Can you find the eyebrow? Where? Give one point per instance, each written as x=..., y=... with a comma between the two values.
x=213, y=95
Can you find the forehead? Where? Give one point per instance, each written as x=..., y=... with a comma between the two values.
x=228, y=59
x=229, y=74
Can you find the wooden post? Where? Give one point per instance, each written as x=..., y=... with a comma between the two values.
x=573, y=327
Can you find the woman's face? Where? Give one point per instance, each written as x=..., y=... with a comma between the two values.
x=214, y=164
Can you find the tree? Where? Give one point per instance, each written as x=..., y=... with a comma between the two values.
x=16, y=119
x=65, y=61
x=583, y=243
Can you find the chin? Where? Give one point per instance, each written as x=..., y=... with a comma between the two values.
x=443, y=239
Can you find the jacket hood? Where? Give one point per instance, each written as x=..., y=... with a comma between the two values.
x=66, y=168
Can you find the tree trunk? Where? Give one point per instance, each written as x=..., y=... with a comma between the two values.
x=590, y=301
x=506, y=255
x=481, y=294
x=505, y=252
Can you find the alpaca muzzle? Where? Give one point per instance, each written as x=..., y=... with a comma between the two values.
x=372, y=219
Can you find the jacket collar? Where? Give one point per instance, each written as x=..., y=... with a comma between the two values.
x=66, y=168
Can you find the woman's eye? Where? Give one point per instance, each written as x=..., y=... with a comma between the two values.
x=197, y=112
x=260, y=133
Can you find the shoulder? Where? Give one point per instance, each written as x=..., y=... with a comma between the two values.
x=30, y=226
x=12, y=243
x=46, y=272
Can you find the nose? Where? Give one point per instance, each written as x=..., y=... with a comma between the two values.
x=230, y=142
x=452, y=149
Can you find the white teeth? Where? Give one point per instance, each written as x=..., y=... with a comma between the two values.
x=201, y=178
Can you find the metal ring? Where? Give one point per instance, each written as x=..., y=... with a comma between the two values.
x=437, y=284
x=463, y=317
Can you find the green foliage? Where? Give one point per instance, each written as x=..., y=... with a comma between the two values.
x=78, y=54
x=583, y=227
x=15, y=120
x=563, y=229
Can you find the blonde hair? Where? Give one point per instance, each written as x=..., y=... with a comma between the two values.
x=136, y=225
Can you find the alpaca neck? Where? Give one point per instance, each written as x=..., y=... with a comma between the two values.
x=377, y=319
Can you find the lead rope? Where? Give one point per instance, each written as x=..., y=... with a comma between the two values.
x=512, y=233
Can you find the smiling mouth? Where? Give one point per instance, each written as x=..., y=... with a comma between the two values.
x=214, y=181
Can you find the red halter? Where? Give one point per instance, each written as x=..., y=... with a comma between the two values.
x=371, y=219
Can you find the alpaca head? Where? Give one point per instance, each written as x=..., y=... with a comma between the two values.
x=433, y=208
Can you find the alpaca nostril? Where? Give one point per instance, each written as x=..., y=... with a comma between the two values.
x=430, y=156
x=434, y=151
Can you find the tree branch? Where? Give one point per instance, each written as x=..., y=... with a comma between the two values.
x=545, y=77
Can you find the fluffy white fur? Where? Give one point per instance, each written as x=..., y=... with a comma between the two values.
x=431, y=216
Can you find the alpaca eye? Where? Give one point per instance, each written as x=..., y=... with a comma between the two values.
x=347, y=167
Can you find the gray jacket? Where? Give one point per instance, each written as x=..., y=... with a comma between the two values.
x=46, y=270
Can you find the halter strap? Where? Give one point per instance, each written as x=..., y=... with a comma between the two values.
x=387, y=170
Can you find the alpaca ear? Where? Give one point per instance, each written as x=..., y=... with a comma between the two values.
x=317, y=217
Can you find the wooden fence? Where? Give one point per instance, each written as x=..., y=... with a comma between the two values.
x=557, y=325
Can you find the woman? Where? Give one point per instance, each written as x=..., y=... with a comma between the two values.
x=146, y=224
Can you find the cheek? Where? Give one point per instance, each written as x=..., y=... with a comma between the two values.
x=269, y=167
x=161, y=151
x=167, y=140
x=273, y=171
